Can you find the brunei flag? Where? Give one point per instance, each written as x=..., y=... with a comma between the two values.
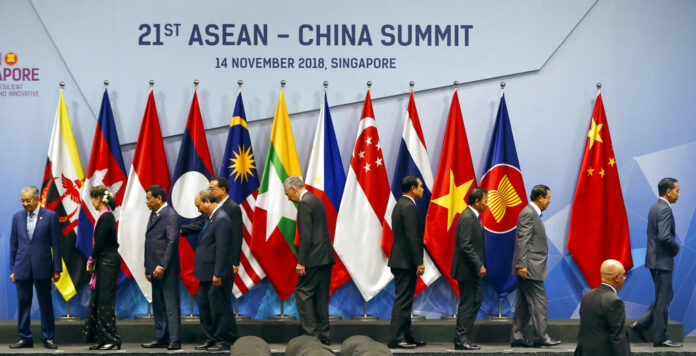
x=60, y=192
x=273, y=234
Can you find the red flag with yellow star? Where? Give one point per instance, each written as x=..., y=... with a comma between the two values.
x=455, y=177
x=598, y=223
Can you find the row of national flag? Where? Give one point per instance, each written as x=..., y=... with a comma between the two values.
x=358, y=203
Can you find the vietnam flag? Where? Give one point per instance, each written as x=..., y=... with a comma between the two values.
x=273, y=231
x=598, y=223
x=455, y=178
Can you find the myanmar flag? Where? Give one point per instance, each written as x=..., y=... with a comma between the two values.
x=274, y=218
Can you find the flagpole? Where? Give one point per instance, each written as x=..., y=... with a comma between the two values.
x=599, y=88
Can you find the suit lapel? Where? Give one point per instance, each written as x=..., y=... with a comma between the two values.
x=155, y=220
x=23, y=225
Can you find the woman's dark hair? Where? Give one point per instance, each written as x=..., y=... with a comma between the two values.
x=104, y=194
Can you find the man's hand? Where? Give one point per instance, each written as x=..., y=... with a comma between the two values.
x=482, y=272
x=235, y=269
x=90, y=268
x=158, y=273
x=56, y=276
x=12, y=277
x=148, y=277
x=522, y=272
x=300, y=269
x=420, y=270
x=217, y=281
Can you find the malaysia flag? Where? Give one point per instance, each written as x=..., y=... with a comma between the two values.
x=149, y=167
x=191, y=175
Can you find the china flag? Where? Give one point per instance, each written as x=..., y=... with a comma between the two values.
x=598, y=223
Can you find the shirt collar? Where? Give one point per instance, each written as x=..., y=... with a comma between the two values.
x=474, y=210
x=610, y=286
x=36, y=211
x=223, y=200
x=214, y=210
x=160, y=209
x=303, y=193
x=666, y=201
x=413, y=200
x=536, y=208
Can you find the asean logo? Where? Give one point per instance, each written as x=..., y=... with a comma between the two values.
x=506, y=198
x=10, y=58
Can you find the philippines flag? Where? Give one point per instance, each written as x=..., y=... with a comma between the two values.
x=149, y=167
x=239, y=169
x=325, y=179
x=413, y=161
x=105, y=168
x=191, y=175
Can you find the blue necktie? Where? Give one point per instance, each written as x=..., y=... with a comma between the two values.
x=205, y=224
x=31, y=225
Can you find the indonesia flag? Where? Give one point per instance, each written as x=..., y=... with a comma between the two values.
x=149, y=167
x=191, y=175
x=325, y=179
x=105, y=168
x=413, y=161
x=365, y=206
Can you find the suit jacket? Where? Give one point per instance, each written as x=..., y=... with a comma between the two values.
x=531, y=247
x=162, y=241
x=602, y=324
x=33, y=259
x=469, y=247
x=234, y=212
x=407, y=249
x=313, y=228
x=214, y=251
x=662, y=246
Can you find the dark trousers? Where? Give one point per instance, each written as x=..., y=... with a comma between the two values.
x=165, y=306
x=100, y=325
x=657, y=313
x=404, y=288
x=470, y=299
x=531, y=303
x=215, y=312
x=312, y=299
x=24, y=298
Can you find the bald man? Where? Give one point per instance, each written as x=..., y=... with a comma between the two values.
x=602, y=315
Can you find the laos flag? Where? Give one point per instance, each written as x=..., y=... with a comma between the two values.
x=506, y=198
x=191, y=175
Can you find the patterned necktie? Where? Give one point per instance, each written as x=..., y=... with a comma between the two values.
x=152, y=217
x=31, y=225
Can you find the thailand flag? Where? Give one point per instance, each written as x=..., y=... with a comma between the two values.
x=413, y=161
x=325, y=178
x=191, y=175
x=105, y=168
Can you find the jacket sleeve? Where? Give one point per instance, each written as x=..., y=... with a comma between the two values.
x=464, y=234
x=664, y=230
x=616, y=316
x=172, y=229
x=304, y=229
x=414, y=240
x=14, y=239
x=222, y=235
x=525, y=230
x=55, y=243
x=192, y=229
x=237, y=234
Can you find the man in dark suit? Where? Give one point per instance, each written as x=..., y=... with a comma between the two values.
x=659, y=258
x=213, y=267
x=468, y=268
x=603, y=317
x=34, y=259
x=162, y=268
x=529, y=264
x=314, y=260
x=406, y=262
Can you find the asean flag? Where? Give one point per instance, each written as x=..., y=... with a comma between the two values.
x=191, y=175
x=506, y=198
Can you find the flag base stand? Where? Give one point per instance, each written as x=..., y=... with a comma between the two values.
x=416, y=317
x=238, y=317
x=500, y=316
x=454, y=309
x=190, y=317
x=67, y=316
x=149, y=313
x=335, y=318
x=282, y=316
x=365, y=317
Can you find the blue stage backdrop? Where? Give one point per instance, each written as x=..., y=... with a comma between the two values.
x=550, y=53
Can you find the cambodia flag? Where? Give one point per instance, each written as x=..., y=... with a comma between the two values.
x=105, y=168
x=191, y=175
x=506, y=198
x=413, y=161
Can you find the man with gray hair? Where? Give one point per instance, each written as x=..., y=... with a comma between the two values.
x=35, y=232
x=314, y=260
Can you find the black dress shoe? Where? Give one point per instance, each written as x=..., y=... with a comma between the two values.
x=402, y=345
x=417, y=342
x=667, y=343
x=205, y=345
x=639, y=330
x=521, y=343
x=23, y=343
x=49, y=344
x=95, y=347
x=548, y=342
x=220, y=347
x=110, y=346
x=174, y=345
x=154, y=345
x=466, y=346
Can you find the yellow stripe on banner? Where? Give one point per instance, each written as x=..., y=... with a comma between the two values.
x=237, y=120
x=283, y=140
x=68, y=138
x=65, y=284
